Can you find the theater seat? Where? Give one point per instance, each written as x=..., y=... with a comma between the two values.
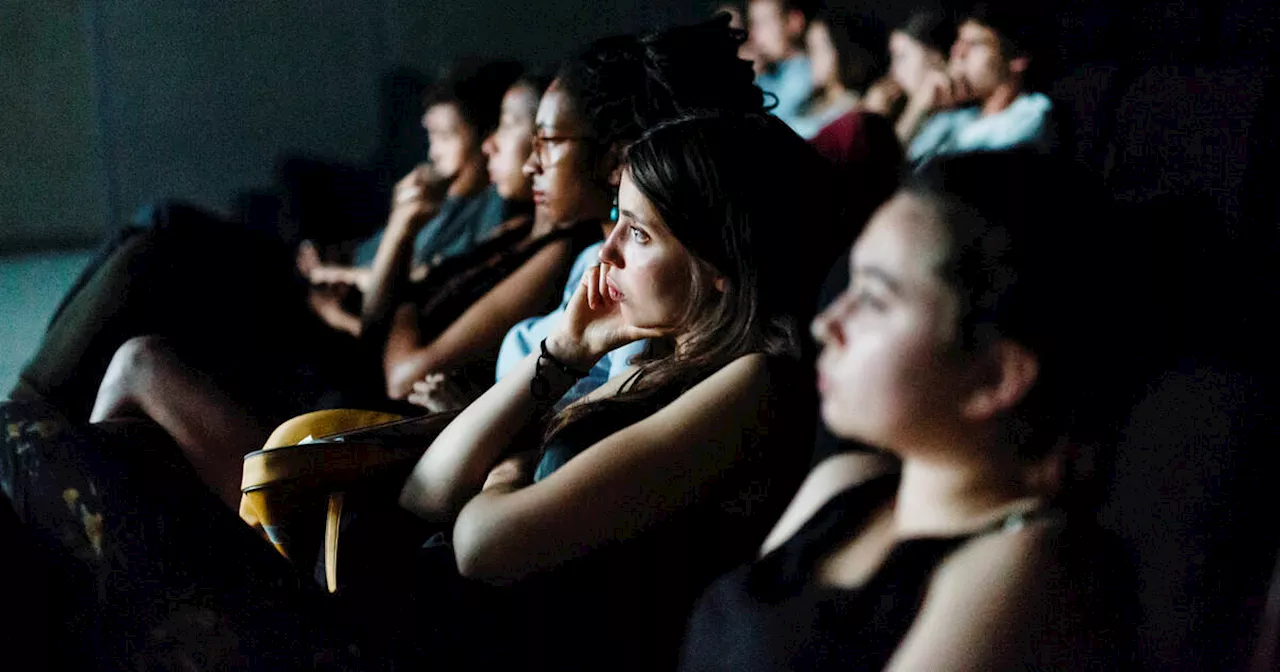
x=1192, y=475
x=1188, y=130
x=1085, y=101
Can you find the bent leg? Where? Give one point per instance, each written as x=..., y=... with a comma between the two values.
x=147, y=378
x=154, y=573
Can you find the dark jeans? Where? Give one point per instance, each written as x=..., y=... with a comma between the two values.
x=227, y=298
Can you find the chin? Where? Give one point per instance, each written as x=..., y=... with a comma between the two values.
x=837, y=420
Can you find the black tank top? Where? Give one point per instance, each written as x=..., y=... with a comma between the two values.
x=772, y=615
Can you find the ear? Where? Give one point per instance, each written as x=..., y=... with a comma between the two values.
x=721, y=284
x=1020, y=64
x=1008, y=374
x=610, y=166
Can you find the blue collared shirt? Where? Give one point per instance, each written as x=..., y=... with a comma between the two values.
x=525, y=337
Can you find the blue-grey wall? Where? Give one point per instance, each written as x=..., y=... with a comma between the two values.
x=109, y=104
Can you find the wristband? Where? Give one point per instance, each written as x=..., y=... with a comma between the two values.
x=540, y=387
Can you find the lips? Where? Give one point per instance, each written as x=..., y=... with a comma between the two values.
x=539, y=196
x=614, y=294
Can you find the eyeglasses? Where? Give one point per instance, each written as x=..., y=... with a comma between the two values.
x=540, y=143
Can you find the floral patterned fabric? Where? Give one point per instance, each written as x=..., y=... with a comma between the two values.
x=154, y=571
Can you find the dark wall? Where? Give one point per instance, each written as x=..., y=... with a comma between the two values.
x=111, y=104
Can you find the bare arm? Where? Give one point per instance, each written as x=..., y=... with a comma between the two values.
x=333, y=274
x=406, y=359
x=455, y=466
x=937, y=92
x=327, y=303
x=623, y=484
x=1000, y=603
x=417, y=199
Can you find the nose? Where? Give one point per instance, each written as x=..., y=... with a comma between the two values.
x=532, y=165
x=609, y=253
x=489, y=146
x=825, y=328
x=958, y=50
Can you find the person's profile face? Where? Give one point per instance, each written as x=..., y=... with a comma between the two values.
x=649, y=271
x=823, y=61
x=509, y=146
x=910, y=61
x=977, y=64
x=453, y=141
x=564, y=188
x=766, y=29
x=885, y=376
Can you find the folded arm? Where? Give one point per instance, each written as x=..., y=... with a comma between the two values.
x=408, y=359
x=627, y=482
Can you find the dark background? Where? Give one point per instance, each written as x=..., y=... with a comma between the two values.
x=109, y=105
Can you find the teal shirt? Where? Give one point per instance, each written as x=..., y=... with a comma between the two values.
x=460, y=224
x=1025, y=123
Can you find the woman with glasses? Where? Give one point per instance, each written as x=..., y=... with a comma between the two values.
x=579, y=538
x=453, y=321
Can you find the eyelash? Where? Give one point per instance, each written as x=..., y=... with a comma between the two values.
x=859, y=299
x=638, y=235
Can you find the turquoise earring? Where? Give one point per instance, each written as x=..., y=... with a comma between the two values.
x=613, y=213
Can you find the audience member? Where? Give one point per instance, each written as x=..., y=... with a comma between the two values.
x=845, y=56
x=777, y=32
x=663, y=476
x=916, y=48
x=987, y=82
x=963, y=346
x=450, y=321
x=610, y=112
x=461, y=112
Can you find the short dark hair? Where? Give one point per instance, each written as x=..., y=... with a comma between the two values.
x=1020, y=26
x=933, y=29
x=477, y=91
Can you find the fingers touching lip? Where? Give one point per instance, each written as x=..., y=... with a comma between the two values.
x=614, y=292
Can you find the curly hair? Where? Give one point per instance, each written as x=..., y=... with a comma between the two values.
x=623, y=85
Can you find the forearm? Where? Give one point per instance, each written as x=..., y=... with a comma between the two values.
x=911, y=120
x=455, y=466
x=405, y=364
x=390, y=270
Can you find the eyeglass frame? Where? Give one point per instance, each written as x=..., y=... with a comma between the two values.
x=540, y=143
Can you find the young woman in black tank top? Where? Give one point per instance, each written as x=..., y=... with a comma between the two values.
x=962, y=346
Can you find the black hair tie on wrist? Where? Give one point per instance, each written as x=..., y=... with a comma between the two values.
x=540, y=387
x=559, y=364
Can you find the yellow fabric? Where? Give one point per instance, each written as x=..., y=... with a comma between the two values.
x=319, y=424
x=257, y=505
x=332, y=524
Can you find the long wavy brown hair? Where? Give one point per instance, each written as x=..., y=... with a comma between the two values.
x=740, y=218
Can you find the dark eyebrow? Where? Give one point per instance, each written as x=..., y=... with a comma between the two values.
x=887, y=280
x=633, y=217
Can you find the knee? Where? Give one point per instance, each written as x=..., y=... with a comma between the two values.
x=137, y=360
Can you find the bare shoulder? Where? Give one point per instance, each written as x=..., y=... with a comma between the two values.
x=1024, y=607
x=747, y=377
x=1000, y=564
x=826, y=480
